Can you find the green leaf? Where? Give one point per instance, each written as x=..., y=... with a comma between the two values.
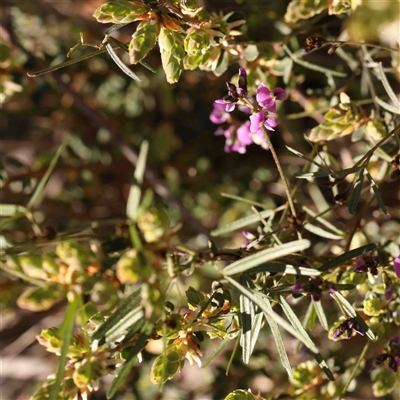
x=323, y=221
x=242, y=222
x=376, y=192
x=343, y=303
x=123, y=324
x=291, y=315
x=285, y=269
x=263, y=256
x=313, y=66
x=346, y=256
x=118, y=61
x=66, y=333
x=316, y=174
x=217, y=350
x=321, y=232
x=387, y=106
x=388, y=88
x=254, y=297
x=321, y=314
x=356, y=193
x=278, y=339
x=125, y=308
x=322, y=167
x=247, y=313
x=9, y=210
x=136, y=191
x=243, y=200
x=130, y=360
x=37, y=195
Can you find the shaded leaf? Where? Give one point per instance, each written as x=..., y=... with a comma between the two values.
x=346, y=256
x=376, y=192
x=356, y=193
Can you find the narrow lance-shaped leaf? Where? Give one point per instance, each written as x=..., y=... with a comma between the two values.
x=135, y=191
x=376, y=192
x=278, y=319
x=346, y=256
x=321, y=232
x=265, y=255
x=321, y=314
x=123, y=324
x=386, y=106
x=125, y=307
x=323, y=221
x=37, y=195
x=66, y=331
x=132, y=356
x=242, y=222
x=278, y=339
x=356, y=193
x=117, y=61
x=353, y=313
x=306, y=338
x=217, y=350
x=312, y=161
x=285, y=269
x=387, y=87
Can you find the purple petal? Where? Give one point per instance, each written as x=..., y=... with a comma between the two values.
x=218, y=115
x=297, y=287
x=396, y=266
x=244, y=134
x=279, y=94
x=256, y=120
x=230, y=107
x=395, y=341
x=242, y=79
x=389, y=291
x=270, y=124
x=264, y=98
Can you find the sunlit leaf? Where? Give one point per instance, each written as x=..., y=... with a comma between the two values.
x=351, y=312
x=263, y=256
x=294, y=320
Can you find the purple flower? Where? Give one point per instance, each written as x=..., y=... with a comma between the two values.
x=348, y=327
x=396, y=266
x=235, y=94
x=259, y=118
x=267, y=99
x=315, y=287
x=391, y=356
x=219, y=114
x=367, y=263
x=237, y=138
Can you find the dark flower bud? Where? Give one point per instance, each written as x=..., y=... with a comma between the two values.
x=313, y=43
x=340, y=199
x=332, y=49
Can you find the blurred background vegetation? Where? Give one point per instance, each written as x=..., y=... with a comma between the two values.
x=103, y=111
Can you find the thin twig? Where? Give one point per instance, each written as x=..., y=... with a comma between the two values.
x=280, y=170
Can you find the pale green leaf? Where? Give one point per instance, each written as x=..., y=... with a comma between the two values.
x=263, y=256
x=353, y=313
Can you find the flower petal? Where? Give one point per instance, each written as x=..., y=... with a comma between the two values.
x=396, y=266
x=256, y=120
x=279, y=94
